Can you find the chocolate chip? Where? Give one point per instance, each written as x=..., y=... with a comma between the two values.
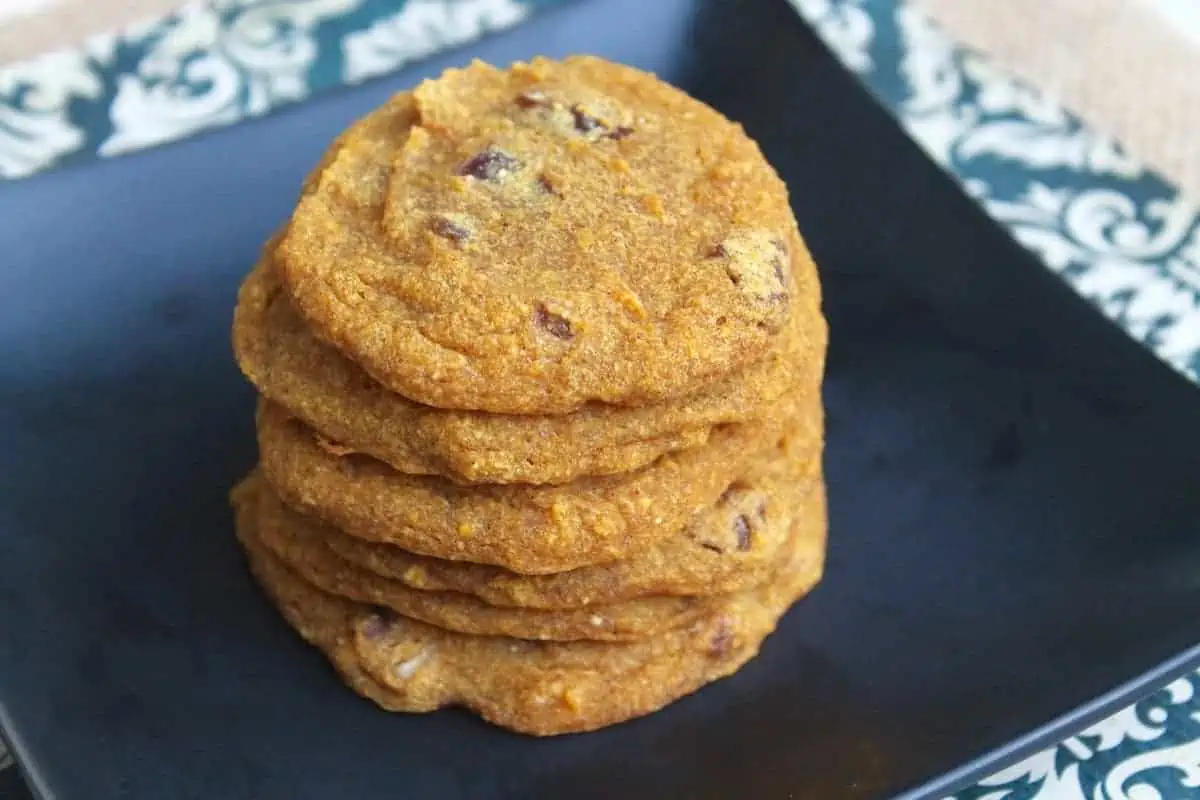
x=553, y=324
x=711, y=546
x=722, y=640
x=780, y=264
x=532, y=99
x=756, y=268
x=585, y=122
x=729, y=492
x=741, y=529
x=781, y=295
x=489, y=165
x=546, y=185
x=378, y=624
x=449, y=229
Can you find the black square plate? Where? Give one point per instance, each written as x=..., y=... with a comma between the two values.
x=1012, y=480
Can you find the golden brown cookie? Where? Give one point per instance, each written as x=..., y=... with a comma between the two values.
x=315, y=383
x=541, y=688
x=298, y=542
x=531, y=239
x=729, y=547
x=525, y=528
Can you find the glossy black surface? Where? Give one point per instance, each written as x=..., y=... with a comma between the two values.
x=1012, y=481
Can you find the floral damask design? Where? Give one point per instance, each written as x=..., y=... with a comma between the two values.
x=222, y=61
x=1138, y=263
x=423, y=27
x=214, y=63
x=844, y=25
x=1119, y=235
x=1122, y=238
x=1148, y=751
x=35, y=103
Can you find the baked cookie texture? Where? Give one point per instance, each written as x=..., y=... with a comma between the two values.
x=726, y=547
x=539, y=354
x=531, y=239
x=540, y=688
x=526, y=528
x=315, y=383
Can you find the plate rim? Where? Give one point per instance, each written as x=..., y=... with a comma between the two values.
x=1057, y=729
x=942, y=785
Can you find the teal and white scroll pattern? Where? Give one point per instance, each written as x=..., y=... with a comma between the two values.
x=214, y=63
x=1148, y=751
x=1120, y=235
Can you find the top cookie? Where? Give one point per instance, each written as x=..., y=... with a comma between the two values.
x=527, y=240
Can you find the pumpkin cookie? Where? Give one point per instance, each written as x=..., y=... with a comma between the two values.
x=728, y=547
x=525, y=528
x=298, y=542
x=541, y=688
x=532, y=239
x=315, y=383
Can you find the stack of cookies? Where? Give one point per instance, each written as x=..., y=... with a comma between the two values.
x=539, y=355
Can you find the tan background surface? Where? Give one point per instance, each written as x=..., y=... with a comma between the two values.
x=29, y=27
x=1121, y=64
x=1130, y=67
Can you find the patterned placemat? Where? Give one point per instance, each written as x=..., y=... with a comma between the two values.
x=1120, y=235
x=1129, y=67
x=214, y=63
x=1148, y=751
x=1116, y=232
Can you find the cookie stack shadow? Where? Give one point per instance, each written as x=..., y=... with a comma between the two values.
x=554, y=566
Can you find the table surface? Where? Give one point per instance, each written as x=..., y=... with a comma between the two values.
x=897, y=54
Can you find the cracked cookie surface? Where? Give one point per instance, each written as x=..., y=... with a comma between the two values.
x=298, y=542
x=526, y=528
x=727, y=547
x=314, y=382
x=540, y=688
